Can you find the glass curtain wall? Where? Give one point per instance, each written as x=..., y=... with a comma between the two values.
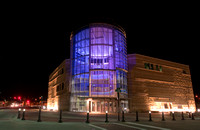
x=102, y=62
x=99, y=63
x=80, y=64
x=121, y=62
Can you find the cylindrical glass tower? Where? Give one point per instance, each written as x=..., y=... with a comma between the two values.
x=99, y=65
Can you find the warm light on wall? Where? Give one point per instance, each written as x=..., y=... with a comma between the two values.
x=53, y=106
x=159, y=106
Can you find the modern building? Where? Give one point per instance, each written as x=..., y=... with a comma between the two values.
x=58, y=87
x=159, y=85
x=98, y=66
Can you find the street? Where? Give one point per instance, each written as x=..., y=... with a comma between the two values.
x=76, y=121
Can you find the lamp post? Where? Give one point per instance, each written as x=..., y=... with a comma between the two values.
x=182, y=116
x=193, y=116
x=173, y=116
x=106, y=117
x=150, y=116
x=60, y=119
x=87, y=121
x=118, y=90
x=39, y=115
x=163, y=117
x=189, y=114
x=123, y=120
x=18, y=117
x=23, y=114
x=137, y=116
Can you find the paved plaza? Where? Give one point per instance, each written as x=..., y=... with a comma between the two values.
x=76, y=121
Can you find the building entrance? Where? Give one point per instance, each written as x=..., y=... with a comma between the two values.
x=101, y=106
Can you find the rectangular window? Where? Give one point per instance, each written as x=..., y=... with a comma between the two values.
x=98, y=106
x=92, y=60
x=151, y=67
x=93, y=106
x=166, y=106
x=157, y=68
x=146, y=65
x=160, y=68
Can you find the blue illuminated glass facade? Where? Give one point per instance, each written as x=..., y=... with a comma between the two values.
x=99, y=62
x=80, y=63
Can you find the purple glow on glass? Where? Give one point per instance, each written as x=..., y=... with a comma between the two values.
x=97, y=52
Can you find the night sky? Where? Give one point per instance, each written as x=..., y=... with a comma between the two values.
x=36, y=40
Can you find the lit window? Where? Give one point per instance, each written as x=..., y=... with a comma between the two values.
x=166, y=106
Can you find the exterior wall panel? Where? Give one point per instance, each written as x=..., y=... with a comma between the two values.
x=171, y=87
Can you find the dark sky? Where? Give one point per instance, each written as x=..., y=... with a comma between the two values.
x=35, y=40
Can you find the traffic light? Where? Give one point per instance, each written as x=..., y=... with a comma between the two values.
x=27, y=102
x=19, y=98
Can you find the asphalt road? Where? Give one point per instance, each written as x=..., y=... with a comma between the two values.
x=76, y=121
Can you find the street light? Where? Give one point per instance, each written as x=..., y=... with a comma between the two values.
x=18, y=117
x=23, y=114
x=150, y=116
x=87, y=121
x=118, y=90
x=106, y=117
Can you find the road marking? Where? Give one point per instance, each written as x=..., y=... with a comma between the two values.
x=150, y=126
x=130, y=126
x=97, y=127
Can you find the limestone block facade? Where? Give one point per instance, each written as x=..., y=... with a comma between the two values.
x=158, y=85
x=58, y=87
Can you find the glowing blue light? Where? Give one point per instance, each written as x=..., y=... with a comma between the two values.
x=97, y=53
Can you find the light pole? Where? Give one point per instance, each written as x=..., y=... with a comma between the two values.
x=118, y=90
x=106, y=116
x=150, y=116
x=18, y=117
x=23, y=114
x=87, y=121
x=39, y=115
